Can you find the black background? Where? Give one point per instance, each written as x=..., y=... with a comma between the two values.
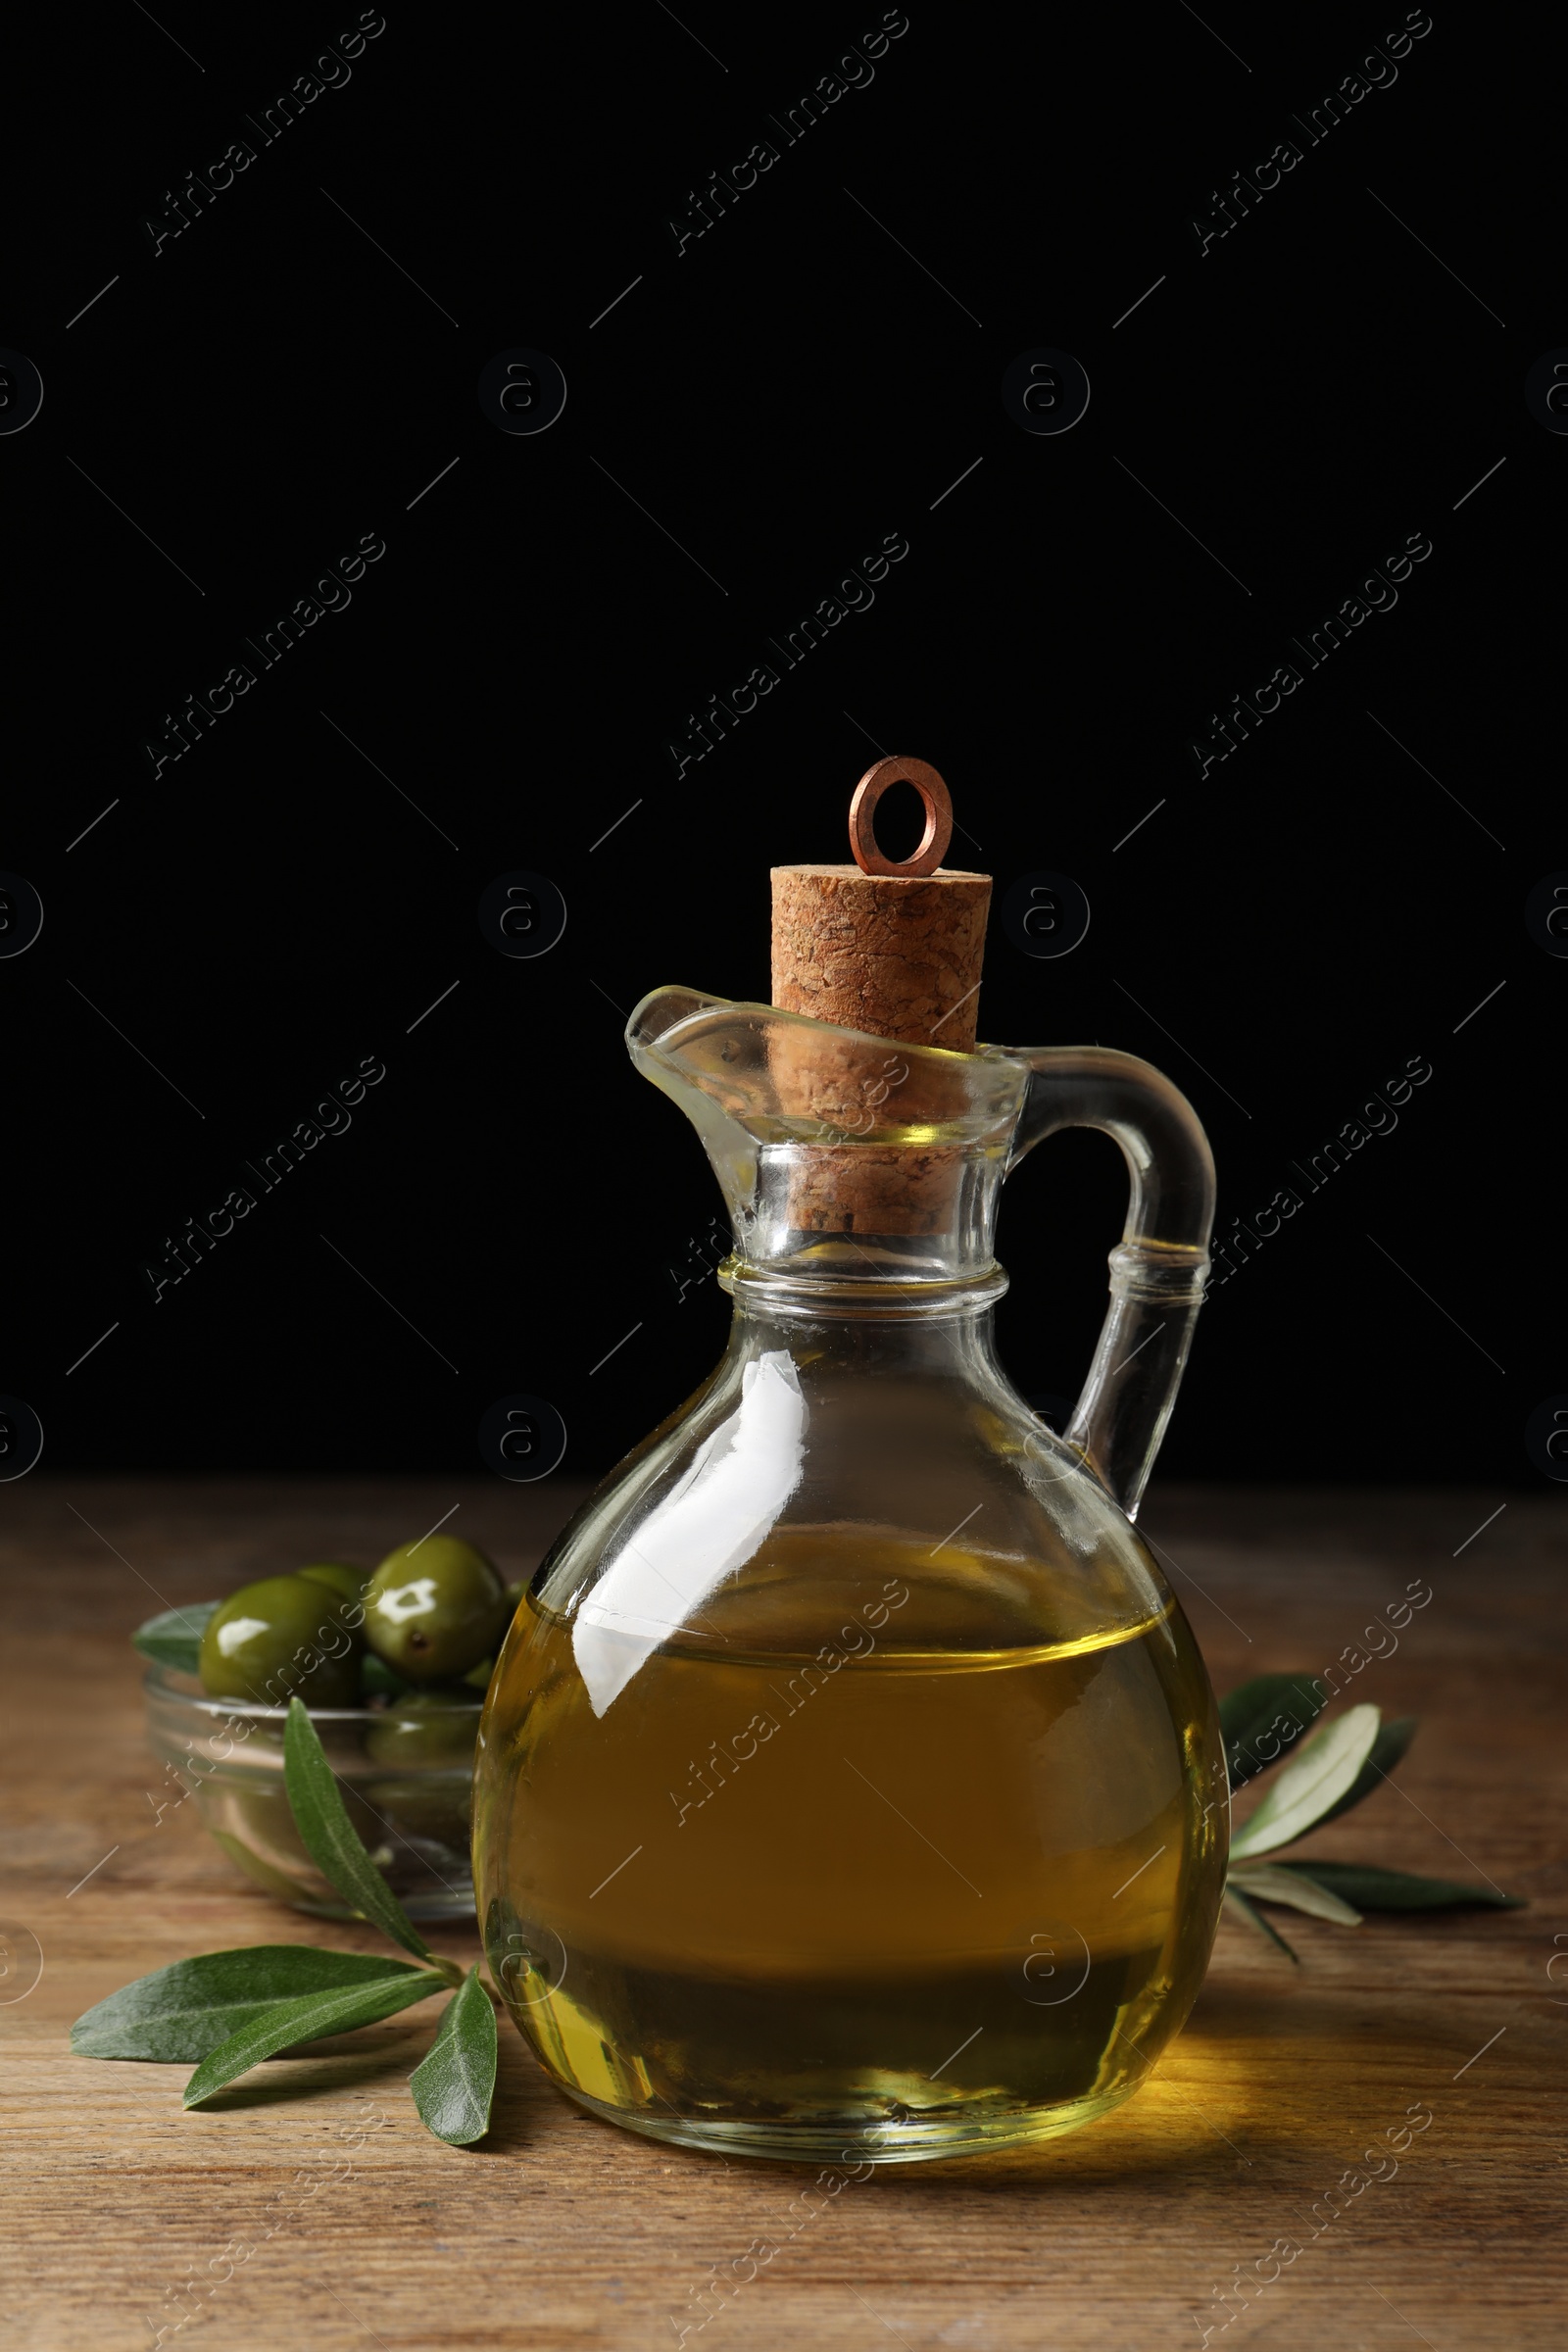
x=1282, y=936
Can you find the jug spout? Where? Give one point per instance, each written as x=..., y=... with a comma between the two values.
x=841, y=1156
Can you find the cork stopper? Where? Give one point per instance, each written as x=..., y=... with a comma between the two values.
x=893, y=948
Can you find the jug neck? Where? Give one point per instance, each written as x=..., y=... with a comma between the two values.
x=861, y=1180
x=839, y=1282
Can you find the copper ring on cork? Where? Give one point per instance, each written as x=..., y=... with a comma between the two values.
x=937, y=817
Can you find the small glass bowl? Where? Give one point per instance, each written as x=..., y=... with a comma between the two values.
x=406, y=1779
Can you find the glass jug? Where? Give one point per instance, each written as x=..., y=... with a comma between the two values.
x=850, y=1772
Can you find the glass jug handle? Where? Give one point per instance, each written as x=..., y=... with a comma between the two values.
x=1157, y=1270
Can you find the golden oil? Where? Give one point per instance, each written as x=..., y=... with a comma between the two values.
x=875, y=1838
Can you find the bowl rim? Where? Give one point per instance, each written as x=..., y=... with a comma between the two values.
x=165, y=1680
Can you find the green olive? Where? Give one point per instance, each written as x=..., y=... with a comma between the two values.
x=438, y=1808
x=280, y=1637
x=377, y=1682
x=434, y=1609
x=427, y=1730
x=337, y=1575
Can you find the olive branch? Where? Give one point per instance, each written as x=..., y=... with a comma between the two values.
x=227, y=2011
x=1334, y=1769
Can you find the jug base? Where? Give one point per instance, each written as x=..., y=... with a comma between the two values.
x=866, y=2138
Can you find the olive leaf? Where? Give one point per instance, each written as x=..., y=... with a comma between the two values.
x=1315, y=1778
x=1262, y=1719
x=186, y=2010
x=454, y=2082
x=332, y=1842
x=1386, y=1750
x=173, y=1637
x=1278, y=1883
x=307, y=2019
x=1243, y=1909
x=1378, y=1890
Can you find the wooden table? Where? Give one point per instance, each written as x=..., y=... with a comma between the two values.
x=564, y=2232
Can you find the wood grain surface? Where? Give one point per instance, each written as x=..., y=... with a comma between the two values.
x=122, y=2215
